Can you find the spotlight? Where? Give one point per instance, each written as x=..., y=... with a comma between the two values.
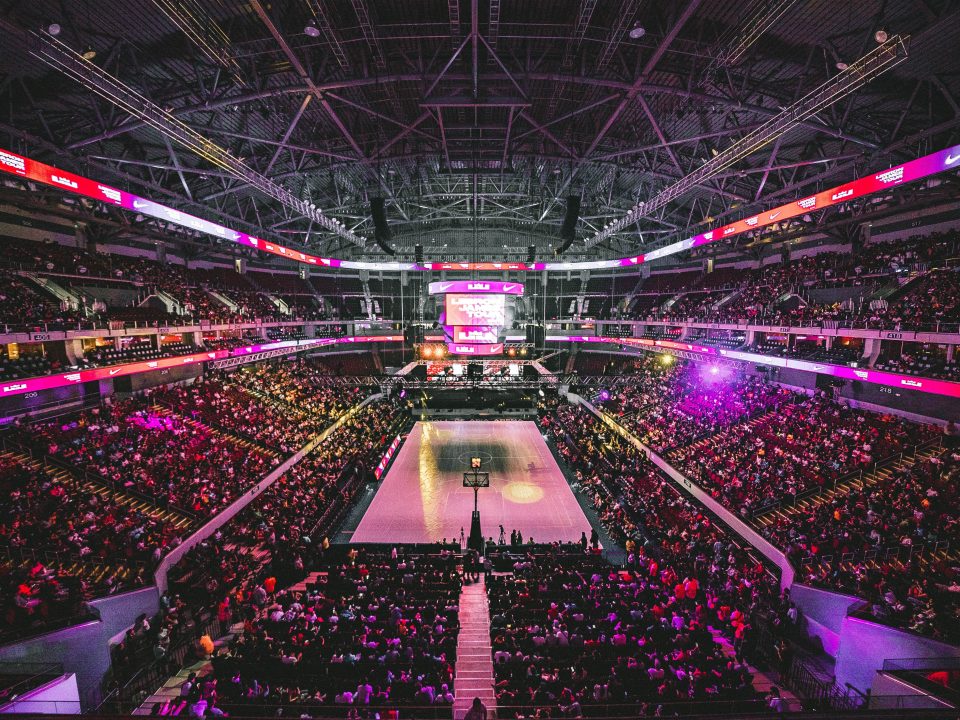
x=512, y=352
x=880, y=36
x=841, y=65
x=604, y=395
x=54, y=29
x=89, y=53
x=714, y=370
x=638, y=31
x=666, y=359
x=312, y=30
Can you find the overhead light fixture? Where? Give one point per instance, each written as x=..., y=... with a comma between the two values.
x=880, y=36
x=88, y=53
x=312, y=30
x=638, y=31
x=54, y=29
x=841, y=65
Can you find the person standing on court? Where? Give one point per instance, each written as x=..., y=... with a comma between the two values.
x=594, y=539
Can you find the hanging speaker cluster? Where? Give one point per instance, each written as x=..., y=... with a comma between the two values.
x=381, y=231
x=568, y=231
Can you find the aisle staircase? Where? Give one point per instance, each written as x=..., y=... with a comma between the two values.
x=474, y=672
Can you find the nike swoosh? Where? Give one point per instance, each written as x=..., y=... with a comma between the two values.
x=114, y=372
x=951, y=159
x=774, y=214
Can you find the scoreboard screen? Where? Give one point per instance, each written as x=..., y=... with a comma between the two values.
x=475, y=309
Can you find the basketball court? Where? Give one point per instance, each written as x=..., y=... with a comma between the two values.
x=422, y=498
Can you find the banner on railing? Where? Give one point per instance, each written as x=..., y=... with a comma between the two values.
x=387, y=456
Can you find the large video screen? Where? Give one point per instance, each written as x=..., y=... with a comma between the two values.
x=474, y=309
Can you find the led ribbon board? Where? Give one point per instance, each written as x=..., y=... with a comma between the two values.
x=49, y=382
x=48, y=175
x=948, y=159
x=909, y=382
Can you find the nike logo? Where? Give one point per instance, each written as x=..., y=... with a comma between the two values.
x=114, y=372
x=951, y=159
x=138, y=205
x=774, y=214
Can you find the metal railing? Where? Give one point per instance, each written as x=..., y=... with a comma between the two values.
x=900, y=553
x=129, y=692
x=17, y=678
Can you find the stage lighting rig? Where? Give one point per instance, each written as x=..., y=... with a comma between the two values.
x=431, y=351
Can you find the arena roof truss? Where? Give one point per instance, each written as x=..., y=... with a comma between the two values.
x=474, y=120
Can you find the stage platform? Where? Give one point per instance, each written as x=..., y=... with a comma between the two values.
x=422, y=498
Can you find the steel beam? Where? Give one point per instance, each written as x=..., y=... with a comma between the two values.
x=319, y=11
x=57, y=55
x=298, y=67
x=286, y=135
x=204, y=32
x=876, y=62
x=648, y=68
